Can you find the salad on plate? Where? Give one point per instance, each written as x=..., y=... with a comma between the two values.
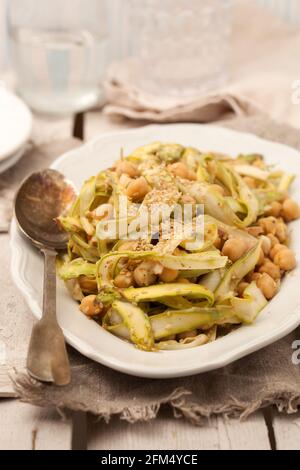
x=172, y=248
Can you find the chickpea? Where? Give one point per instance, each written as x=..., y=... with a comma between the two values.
x=268, y=224
x=255, y=231
x=290, y=210
x=183, y=280
x=251, y=182
x=266, y=244
x=87, y=284
x=274, y=210
x=187, y=199
x=261, y=258
x=128, y=246
x=270, y=268
x=285, y=259
x=124, y=280
x=234, y=248
x=179, y=169
x=145, y=274
x=276, y=248
x=91, y=306
x=281, y=231
x=274, y=240
x=138, y=189
x=128, y=168
x=219, y=189
x=218, y=243
x=188, y=334
x=125, y=180
x=241, y=288
x=168, y=275
x=192, y=175
x=255, y=276
x=182, y=171
x=267, y=285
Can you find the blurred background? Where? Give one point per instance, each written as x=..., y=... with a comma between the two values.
x=67, y=56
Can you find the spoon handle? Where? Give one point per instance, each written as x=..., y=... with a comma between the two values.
x=49, y=295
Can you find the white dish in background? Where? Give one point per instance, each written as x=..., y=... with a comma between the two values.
x=279, y=318
x=12, y=160
x=15, y=124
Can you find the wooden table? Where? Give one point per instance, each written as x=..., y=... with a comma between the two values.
x=23, y=426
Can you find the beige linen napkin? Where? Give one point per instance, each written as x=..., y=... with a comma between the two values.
x=261, y=379
x=265, y=53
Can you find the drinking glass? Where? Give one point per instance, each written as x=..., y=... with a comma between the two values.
x=59, y=50
x=175, y=47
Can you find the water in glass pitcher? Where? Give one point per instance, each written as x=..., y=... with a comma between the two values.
x=61, y=71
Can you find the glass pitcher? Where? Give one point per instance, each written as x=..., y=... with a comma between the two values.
x=59, y=50
x=174, y=47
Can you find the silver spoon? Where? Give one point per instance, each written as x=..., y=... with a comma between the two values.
x=41, y=198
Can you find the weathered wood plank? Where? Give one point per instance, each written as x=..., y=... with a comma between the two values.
x=168, y=433
x=15, y=321
x=97, y=123
x=25, y=427
x=48, y=128
x=251, y=434
x=287, y=431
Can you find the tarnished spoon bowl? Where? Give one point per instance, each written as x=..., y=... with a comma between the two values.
x=40, y=200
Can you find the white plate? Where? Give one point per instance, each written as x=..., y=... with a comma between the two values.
x=12, y=160
x=280, y=317
x=15, y=123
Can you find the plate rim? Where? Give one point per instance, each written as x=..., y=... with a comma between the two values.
x=291, y=322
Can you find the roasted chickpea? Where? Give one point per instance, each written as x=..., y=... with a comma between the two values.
x=188, y=334
x=290, y=210
x=251, y=182
x=146, y=273
x=267, y=285
x=281, y=231
x=268, y=224
x=270, y=268
x=91, y=306
x=218, y=243
x=183, y=280
x=241, y=288
x=261, y=258
x=192, y=175
x=274, y=240
x=187, y=199
x=168, y=275
x=276, y=248
x=125, y=180
x=181, y=170
x=234, y=248
x=255, y=231
x=138, y=189
x=275, y=208
x=128, y=168
x=285, y=259
x=254, y=277
x=87, y=284
x=128, y=246
x=266, y=244
x=124, y=280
